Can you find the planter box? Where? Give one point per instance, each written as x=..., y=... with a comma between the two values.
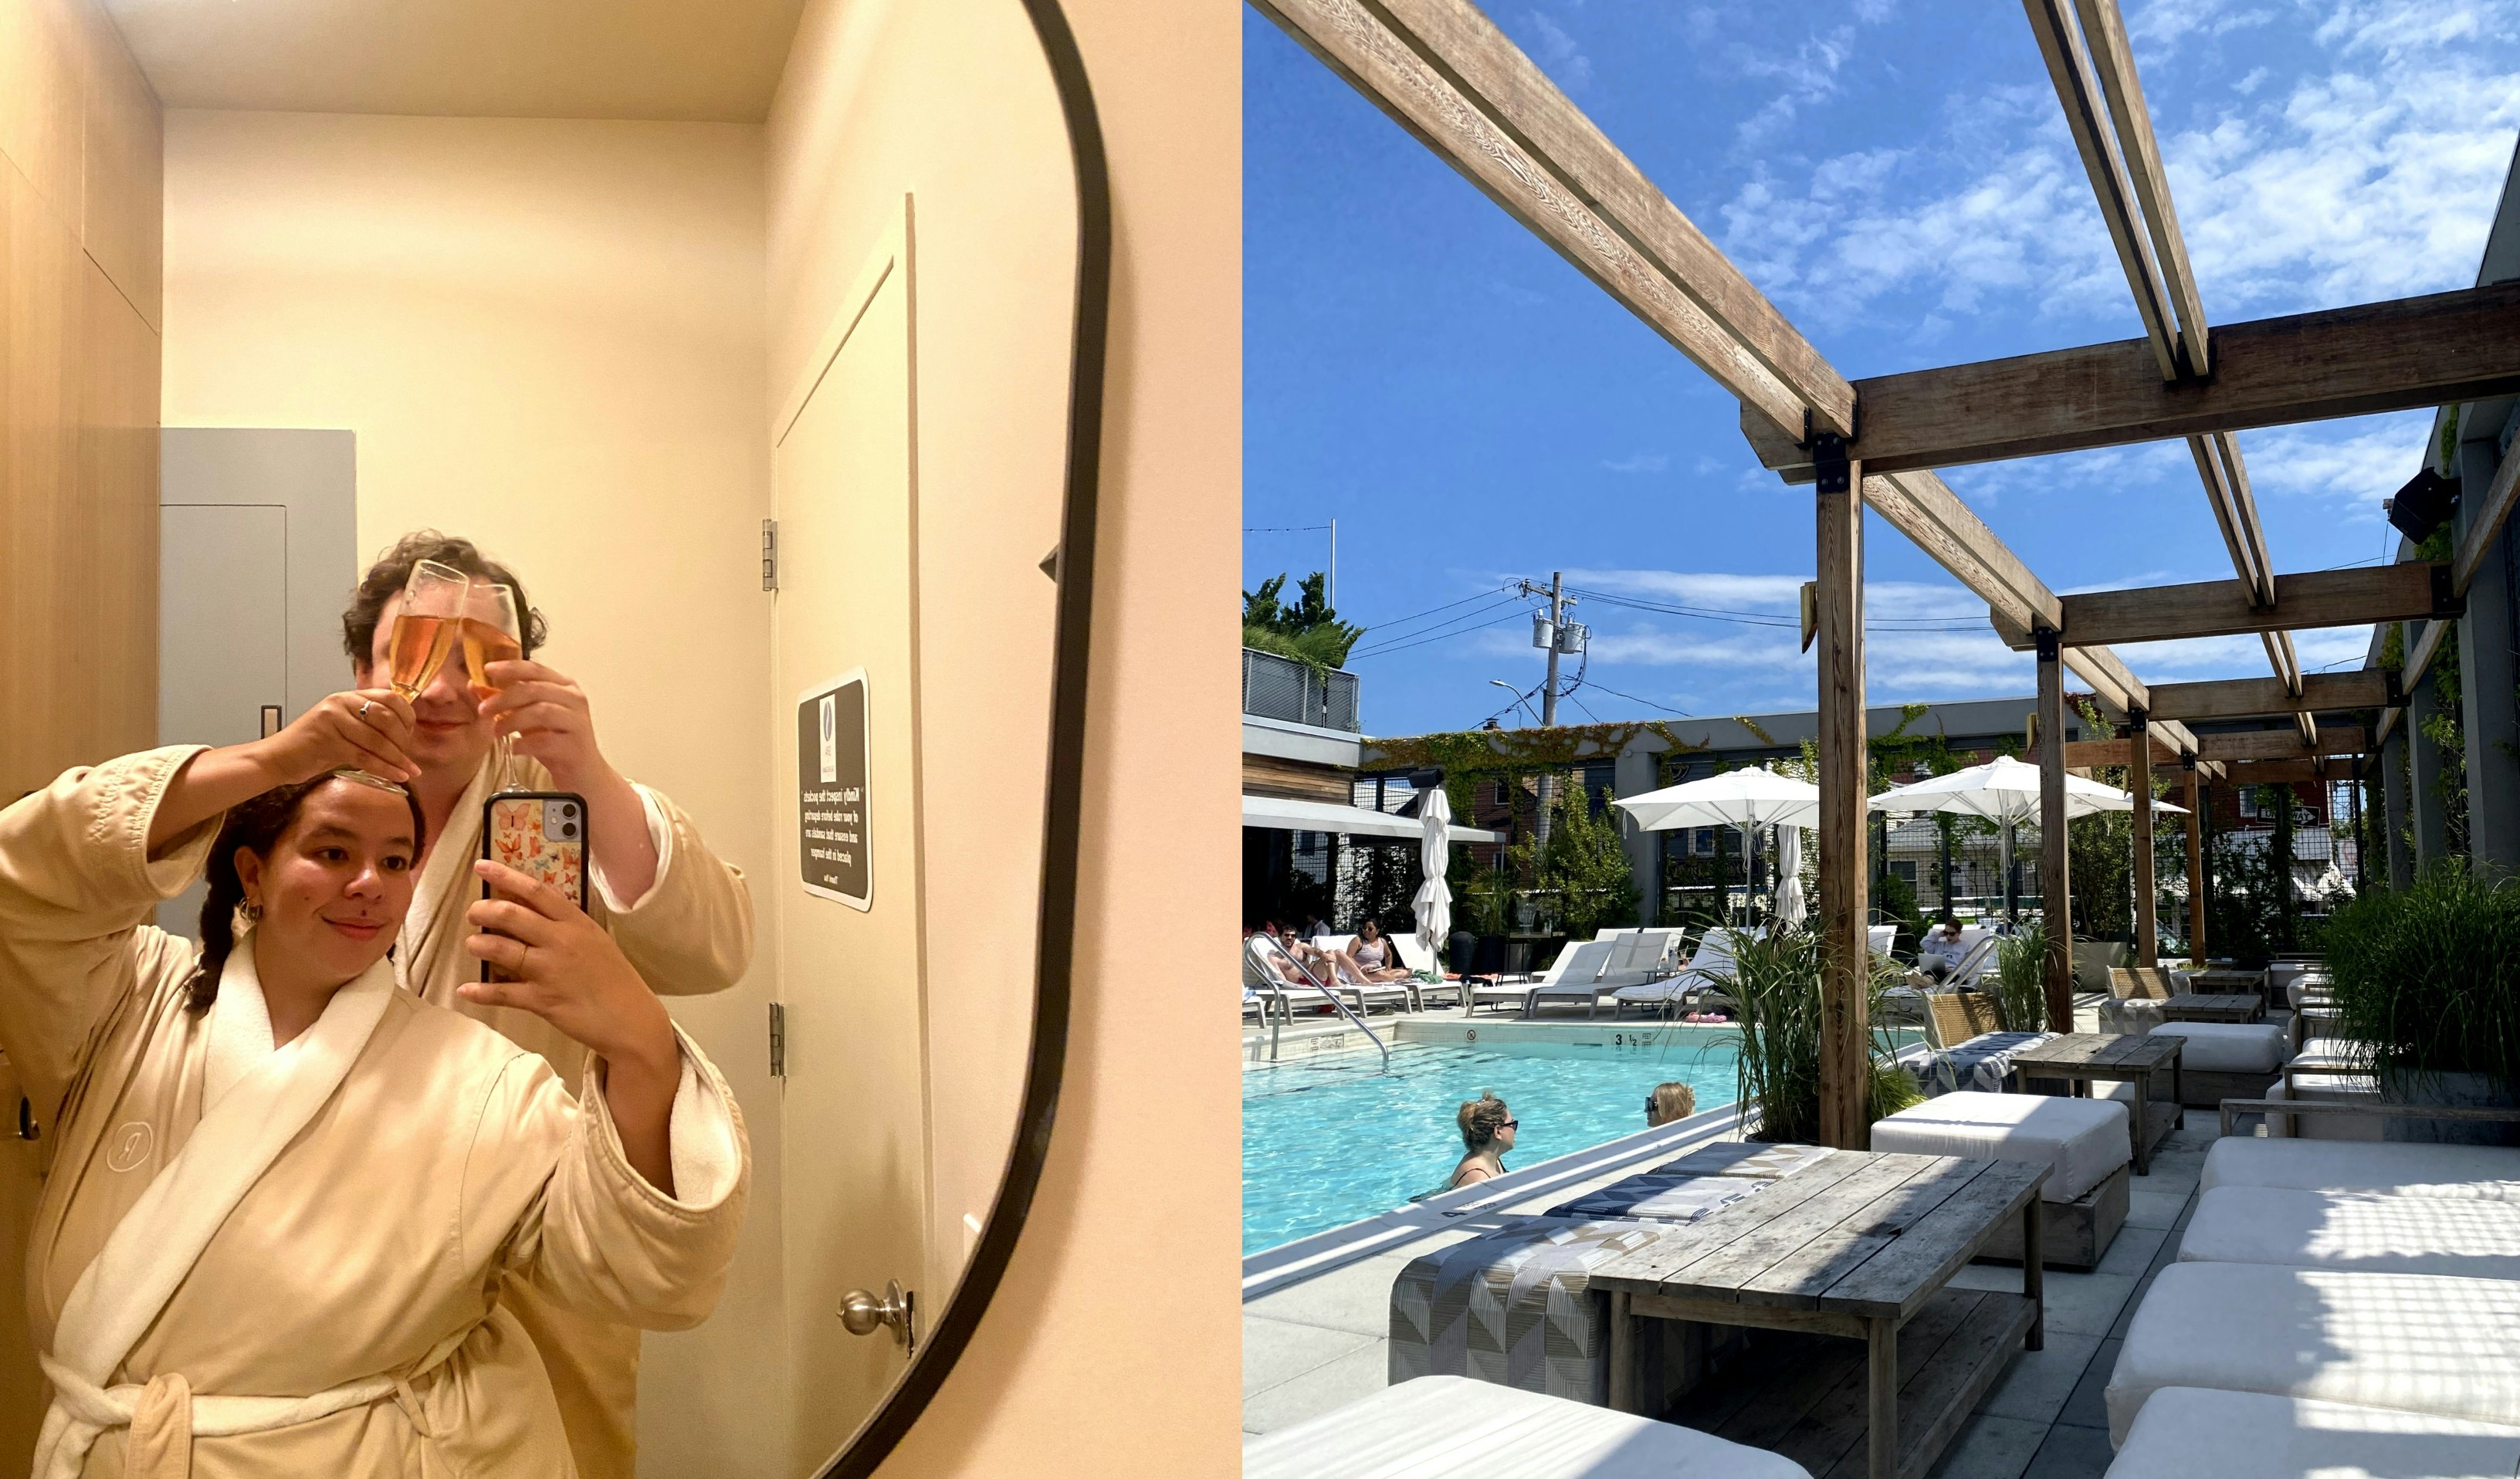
x=2074, y=1234
x=2448, y=1090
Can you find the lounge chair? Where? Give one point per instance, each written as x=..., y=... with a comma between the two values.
x=1569, y=978
x=1446, y=1426
x=1360, y=995
x=2487, y=1173
x=2136, y=996
x=2191, y=1433
x=1698, y=983
x=1421, y=963
x=2413, y=1342
x=2355, y=1231
x=1641, y=957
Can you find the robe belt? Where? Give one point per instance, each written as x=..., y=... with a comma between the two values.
x=165, y=1416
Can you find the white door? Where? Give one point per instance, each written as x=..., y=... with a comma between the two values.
x=850, y=978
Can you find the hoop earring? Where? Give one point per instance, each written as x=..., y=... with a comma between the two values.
x=253, y=913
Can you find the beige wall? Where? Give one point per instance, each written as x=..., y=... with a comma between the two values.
x=1115, y=1347
x=547, y=335
x=78, y=393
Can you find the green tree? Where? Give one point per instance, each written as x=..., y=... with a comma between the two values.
x=1583, y=878
x=1308, y=631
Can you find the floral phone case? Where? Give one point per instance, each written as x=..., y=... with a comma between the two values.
x=541, y=834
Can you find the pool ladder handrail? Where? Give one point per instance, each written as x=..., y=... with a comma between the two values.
x=1316, y=982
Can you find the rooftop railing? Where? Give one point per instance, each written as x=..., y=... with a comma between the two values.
x=1283, y=688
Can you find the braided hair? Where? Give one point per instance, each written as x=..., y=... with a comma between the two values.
x=255, y=826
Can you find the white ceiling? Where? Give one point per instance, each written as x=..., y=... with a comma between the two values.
x=540, y=59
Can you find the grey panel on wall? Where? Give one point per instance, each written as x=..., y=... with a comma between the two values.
x=259, y=554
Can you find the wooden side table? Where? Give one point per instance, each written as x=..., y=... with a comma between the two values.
x=1860, y=1245
x=2204, y=1006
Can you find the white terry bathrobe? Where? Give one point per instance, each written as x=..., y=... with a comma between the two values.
x=690, y=934
x=250, y=1261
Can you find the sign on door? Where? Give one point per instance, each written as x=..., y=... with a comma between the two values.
x=832, y=791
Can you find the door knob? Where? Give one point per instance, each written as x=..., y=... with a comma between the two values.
x=862, y=1314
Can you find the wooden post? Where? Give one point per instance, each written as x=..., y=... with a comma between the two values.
x=2052, y=887
x=2147, y=948
x=1845, y=1063
x=2195, y=868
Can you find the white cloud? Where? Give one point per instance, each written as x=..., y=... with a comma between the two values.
x=1641, y=462
x=1560, y=56
x=2346, y=468
x=2372, y=176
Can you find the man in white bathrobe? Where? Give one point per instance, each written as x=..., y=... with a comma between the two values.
x=681, y=916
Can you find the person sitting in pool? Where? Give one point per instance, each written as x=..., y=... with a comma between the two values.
x=1669, y=1102
x=1488, y=1131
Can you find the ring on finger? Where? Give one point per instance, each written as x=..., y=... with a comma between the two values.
x=365, y=705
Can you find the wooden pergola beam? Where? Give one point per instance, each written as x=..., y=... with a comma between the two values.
x=2402, y=354
x=2282, y=772
x=2284, y=744
x=2090, y=754
x=1445, y=73
x=2224, y=608
x=2249, y=698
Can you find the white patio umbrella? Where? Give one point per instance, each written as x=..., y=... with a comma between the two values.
x=1434, y=902
x=2004, y=791
x=1789, y=907
x=2007, y=790
x=1742, y=798
x=1735, y=798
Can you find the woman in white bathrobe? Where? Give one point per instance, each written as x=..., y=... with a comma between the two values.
x=283, y=1195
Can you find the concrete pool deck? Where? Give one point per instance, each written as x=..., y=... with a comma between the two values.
x=1315, y=1328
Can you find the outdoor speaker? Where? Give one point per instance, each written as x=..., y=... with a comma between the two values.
x=2421, y=506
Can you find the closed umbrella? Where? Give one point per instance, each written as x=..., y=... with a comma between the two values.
x=1434, y=902
x=1790, y=905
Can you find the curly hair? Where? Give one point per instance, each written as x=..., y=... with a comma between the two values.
x=392, y=571
x=1481, y=1118
x=254, y=825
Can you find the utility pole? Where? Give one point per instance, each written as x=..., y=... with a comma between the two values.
x=1554, y=640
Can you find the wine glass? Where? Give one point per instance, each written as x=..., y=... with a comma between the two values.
x=491, y=633
x=424, y=626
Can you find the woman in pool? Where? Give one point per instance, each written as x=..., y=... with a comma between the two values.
x=1669, y=1102
x=285, y=1195
x=1487, y=1128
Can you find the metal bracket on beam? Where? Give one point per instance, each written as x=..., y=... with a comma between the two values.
x=1828, y=461
x=2137, y=717
x=2397, y=689
x=2048, y=641
x=2448, y=606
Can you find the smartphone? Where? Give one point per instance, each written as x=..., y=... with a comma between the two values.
x=541, y=834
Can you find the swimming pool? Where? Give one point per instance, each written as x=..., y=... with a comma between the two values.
x=1331, y=1139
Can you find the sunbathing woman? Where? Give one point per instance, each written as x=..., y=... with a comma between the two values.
x=1372, y=956
x=285, y=1194
x=1487, y=1128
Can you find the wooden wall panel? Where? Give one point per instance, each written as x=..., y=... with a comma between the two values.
x=42, y=106
x=123, y=151
x=113, y=664
x=80, y=259
x=41, y=332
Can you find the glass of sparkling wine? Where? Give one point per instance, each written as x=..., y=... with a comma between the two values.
x=490, y=633
x=424, y=626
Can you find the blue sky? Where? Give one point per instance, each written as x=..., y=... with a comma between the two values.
x=1895, y=175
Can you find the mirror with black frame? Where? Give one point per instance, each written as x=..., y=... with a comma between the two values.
x=558, y=955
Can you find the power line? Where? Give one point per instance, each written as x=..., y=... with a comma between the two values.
x=1289, y=530
x=1390, y=630
x=1648, y=702
x=1438, y=636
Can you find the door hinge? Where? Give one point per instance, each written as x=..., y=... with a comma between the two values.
x=778, y=1040
x=770, y=553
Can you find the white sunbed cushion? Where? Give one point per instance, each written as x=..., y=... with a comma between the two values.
x=2189, y=1433
x=2370, y=1231
x=1435, y=1427
x=2407, y=1341
x=2484, y=1173
x=2081, y=1140
x=2229, y=1047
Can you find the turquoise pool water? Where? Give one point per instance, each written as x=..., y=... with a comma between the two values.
x=1331, y=1140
